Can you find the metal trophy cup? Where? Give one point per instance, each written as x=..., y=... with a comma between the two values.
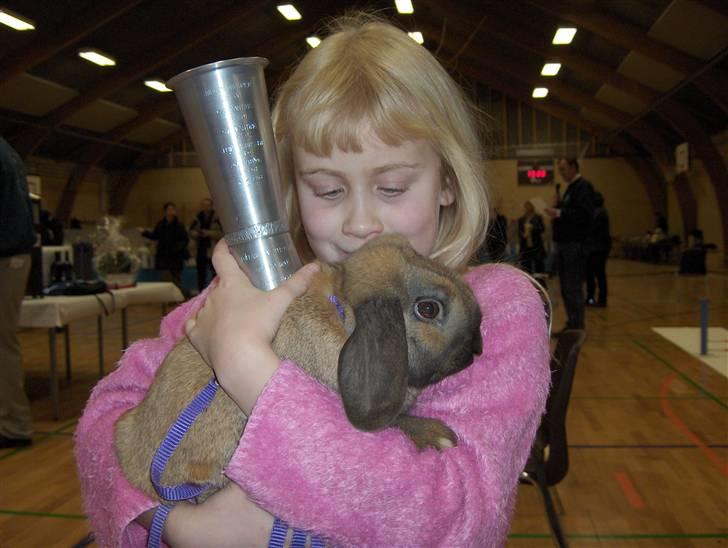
x=225, y=105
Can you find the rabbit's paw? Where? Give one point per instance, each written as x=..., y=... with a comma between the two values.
x=426, y=432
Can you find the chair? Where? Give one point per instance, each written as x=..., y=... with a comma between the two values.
x=549, y=459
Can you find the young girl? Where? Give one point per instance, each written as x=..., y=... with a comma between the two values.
x=373, y=137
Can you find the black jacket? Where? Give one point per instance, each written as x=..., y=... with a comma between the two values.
x=599, y=237
x=17, y=234
x=577, y=211
x=171, y=238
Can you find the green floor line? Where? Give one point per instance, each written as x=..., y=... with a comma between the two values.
x=682, y=375
x=699, y=398
x=624, y=536
x=40, y=439
x=42, y=514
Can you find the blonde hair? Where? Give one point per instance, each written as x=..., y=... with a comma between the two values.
x=367, y=75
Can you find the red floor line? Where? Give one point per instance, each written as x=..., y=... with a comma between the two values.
x=629, y=490
x=712, y=456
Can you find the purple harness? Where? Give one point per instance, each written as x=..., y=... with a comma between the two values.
x=172, y=439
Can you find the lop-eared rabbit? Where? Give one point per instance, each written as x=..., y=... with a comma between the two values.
x=407, y=322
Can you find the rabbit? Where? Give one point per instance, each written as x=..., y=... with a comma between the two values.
x=407, y=322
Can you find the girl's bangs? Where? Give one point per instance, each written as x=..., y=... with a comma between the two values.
x=355, y=116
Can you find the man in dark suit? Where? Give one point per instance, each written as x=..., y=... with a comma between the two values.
x=572, y=216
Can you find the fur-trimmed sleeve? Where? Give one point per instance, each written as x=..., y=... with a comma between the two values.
x=110, y=501
x=301, y=459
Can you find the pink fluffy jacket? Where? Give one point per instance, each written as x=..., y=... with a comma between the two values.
x=301, y=460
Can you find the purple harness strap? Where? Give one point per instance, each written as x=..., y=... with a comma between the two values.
x=169, y=445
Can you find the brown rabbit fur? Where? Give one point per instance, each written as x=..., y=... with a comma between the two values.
x=379, y=358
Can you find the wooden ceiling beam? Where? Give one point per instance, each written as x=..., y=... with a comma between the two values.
x=706, y=150
x=30, y=139
x=620, y=32
x=51, y=41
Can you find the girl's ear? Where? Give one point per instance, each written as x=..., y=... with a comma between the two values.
x=447, y=193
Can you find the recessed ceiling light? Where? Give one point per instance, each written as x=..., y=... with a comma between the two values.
x=97, y=57
x=15, y=20
x=404, y=6
x=157, y=85
x=417, y=37
x=313, y=41
x=550, y=69
x=564, y=35
x=289, y=12
x=540, y=93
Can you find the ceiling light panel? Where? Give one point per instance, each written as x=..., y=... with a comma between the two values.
x=15, y=20
x=157, y=85
x=313, y=41
x=564, y=35
x=417, y=37
x=539, y=93
x=550, y=69
x=404, y=6
x=289, y=12
x=97, y=57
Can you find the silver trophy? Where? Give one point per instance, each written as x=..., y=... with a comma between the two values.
x=225, y=106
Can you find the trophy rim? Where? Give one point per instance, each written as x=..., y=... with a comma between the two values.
x=246, y=61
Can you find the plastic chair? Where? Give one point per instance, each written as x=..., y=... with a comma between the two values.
x=549, y=459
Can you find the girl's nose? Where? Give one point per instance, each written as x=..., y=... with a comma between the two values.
x=363, y=221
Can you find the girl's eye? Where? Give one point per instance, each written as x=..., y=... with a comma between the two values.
x=329, y=195
x=391, y=191
x=427, y=309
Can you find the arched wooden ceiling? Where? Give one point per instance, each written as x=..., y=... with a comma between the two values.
x=641, y=75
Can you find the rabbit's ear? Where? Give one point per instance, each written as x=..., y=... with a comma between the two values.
x=373, y=365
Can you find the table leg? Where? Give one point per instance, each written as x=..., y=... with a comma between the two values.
x=100, y=326
x=54, y=373
x=67, y=336
x=124, y=330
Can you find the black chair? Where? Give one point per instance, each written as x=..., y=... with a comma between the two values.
x=549, y=459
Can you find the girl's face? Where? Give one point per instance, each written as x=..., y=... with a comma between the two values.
x=348, y=198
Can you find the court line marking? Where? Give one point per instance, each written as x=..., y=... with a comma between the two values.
x=713, y=457
x=41, y=514
x=645, y=446
x=629, y=490
x=623, y=536
x=682, y=375
x=688, y=339
x=40, y=439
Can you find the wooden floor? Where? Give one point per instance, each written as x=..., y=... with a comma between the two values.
x=648, y=427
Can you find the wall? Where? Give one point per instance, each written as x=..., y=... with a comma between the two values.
x=90, y=201
x=625, y=197
x=184, y=186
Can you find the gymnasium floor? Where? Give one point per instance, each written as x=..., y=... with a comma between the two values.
x=648, y=426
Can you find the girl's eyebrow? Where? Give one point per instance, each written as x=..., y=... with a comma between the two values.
x=375, y=171
x=390, y=167
x=323, y=170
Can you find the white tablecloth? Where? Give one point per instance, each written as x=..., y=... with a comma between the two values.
x=59, y=311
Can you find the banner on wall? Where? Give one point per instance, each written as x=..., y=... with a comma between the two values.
x=535, y=172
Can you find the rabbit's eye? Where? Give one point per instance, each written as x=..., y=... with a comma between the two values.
x=427, y=309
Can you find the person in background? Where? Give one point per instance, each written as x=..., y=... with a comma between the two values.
x=530, y=237
x=18, y=237
x=572, y=216
x=598, y=244
x=206, y=230
x=51, y=229
x=660, y=222
x=496, y=239
x=172, y=240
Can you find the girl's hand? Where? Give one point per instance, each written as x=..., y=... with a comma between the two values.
x=227, y=518
x=235, y=327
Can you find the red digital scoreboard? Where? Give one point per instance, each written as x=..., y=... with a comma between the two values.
x=535, y=172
